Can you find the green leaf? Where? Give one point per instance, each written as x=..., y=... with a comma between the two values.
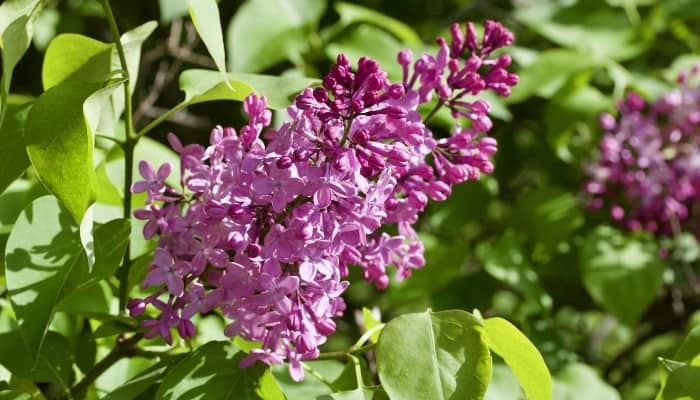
x=310, y=387
x=505, y=260
x=15, y=36
x=279, y=91
x=682, y=383
x=357, y=394
x=172, y=9
x=14, y=395
x=213, y=372
x=548, y=215
x=54, y=363
x=549, y=72
x=58, y=136
x=522, y=357
x=76, y=58
x=351, y=13
x=136, y=386
x=622, y=274
x=599, y=31
x=206, y=19
x=201, y=85
x=575, y=379
x=428, y=355
x=60, y=147
x=13, y=156
x=45, y=262
x=279, y=28
x=370, y=322
x=131, y=42
x=370, y=41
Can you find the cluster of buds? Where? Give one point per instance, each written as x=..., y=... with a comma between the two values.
x=648, y=172
x=268, y=221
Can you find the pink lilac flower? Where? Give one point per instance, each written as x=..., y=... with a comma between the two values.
x=647, y=175
x=268, y=222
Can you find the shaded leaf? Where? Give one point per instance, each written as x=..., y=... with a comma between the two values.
x=13, y=156
x=280, y=29
x=622, y=274
x=54, y=363
x=45, y=262
x=213, y=372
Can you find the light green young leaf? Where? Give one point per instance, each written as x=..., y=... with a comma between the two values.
x=280, y=29
x=352, y=13
x=442, y=355
x=279, y=91
x=213, y=371
x=131, y=42
x=45, y=262
x=201, y=85
x=172, y=9
x=622, y=274
x=683, y=383
x=357, y=394
x=15, y=36
x=370, y=322
x=76, y=58
x=522, y=357
x=206, y=19
x=59, y=145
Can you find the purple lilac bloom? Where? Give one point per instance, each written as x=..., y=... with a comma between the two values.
x=648, y=173
x=269, y=221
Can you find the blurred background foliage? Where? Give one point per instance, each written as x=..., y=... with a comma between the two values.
x=599, y=303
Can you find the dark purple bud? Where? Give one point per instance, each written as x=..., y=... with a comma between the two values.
x=186, y=329
x=253, y=250
x=136, y=307
x=321, y=95
x=284, y=162
x=361, y=137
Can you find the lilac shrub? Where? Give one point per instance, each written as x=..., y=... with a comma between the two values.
x=268, y=221
x=648, y=172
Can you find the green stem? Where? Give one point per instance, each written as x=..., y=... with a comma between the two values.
x=345, y=355
x=320, y=377
x=123, y=349
x=126, y=262
x=128, y=108
x=128, y=146
x=160, y=119
x=434, y=111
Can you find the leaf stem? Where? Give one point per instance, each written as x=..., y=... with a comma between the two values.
x=345, y=355
x=320, y=377
x=123, y=349
x=434, y=111
x=160, y=119
x=126, y=261
x=128, y=108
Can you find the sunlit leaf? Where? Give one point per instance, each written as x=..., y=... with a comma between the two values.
x=441, y=355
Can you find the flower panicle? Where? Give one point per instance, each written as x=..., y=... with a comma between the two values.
x=647, y=175
x=268, y=222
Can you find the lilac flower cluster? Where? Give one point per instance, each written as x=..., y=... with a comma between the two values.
x=268, y=221
x=648, y=172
